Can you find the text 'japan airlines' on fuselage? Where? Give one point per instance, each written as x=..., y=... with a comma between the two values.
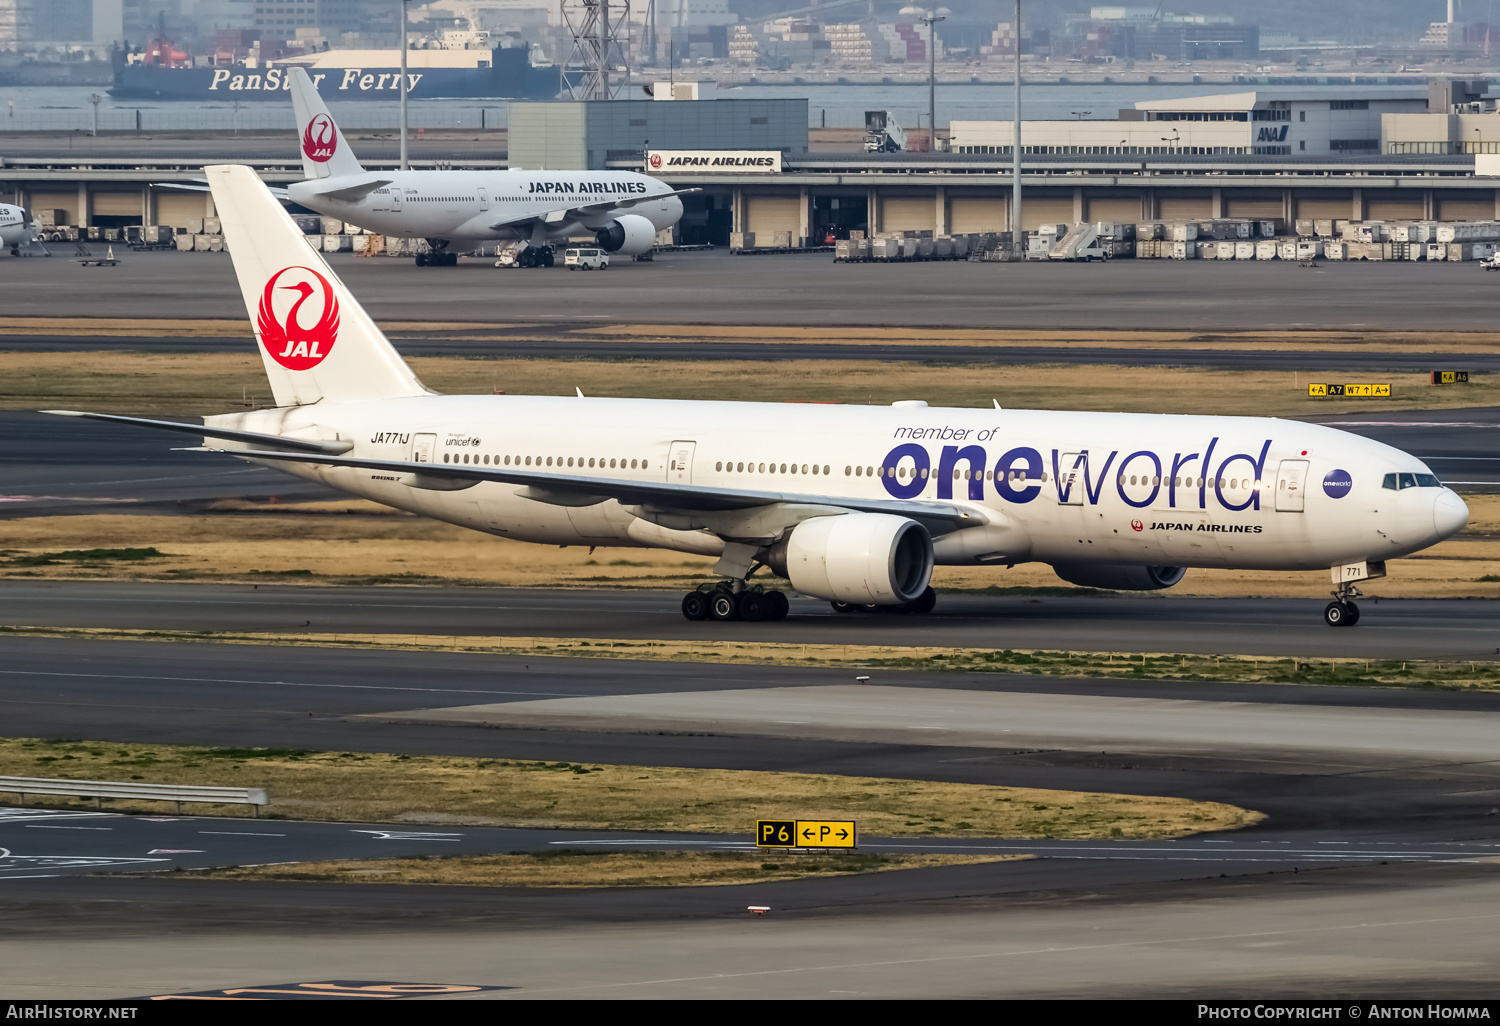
x=853, y=504
x=452, y=210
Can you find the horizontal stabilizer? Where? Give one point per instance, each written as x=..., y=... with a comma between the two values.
x=254, y=437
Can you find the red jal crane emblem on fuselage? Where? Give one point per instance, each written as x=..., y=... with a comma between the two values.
x=320, y=140
x=296, y=333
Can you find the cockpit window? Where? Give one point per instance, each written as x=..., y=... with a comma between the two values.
x=1400, y=482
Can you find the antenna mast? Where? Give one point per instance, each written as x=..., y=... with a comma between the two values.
x=601, y=43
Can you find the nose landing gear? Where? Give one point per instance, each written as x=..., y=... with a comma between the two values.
x=1342, y=612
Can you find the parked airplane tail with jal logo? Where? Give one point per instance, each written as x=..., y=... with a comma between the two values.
x=316, y=341
x=325, y=152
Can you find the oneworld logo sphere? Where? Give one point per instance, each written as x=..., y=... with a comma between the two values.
x=1336, y=484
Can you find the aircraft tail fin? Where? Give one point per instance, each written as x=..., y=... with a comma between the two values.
x=325, y=152
x=316, y=341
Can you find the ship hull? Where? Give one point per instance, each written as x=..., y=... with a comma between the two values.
x=511, y=76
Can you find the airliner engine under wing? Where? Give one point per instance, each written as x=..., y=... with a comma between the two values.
x=16, y=229
x=853, y=504
x=454, y=209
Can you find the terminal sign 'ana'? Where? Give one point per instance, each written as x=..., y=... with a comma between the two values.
x=737, y=162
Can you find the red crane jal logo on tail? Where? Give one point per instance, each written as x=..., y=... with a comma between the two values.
x=321, y=139
x=297, y=333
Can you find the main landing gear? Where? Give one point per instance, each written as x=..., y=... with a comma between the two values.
x=722, y=602
x=923, y=603
x=437, y=259
x=1342, y=612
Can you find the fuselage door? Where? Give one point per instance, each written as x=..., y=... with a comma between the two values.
x=680, y=462
x=422, y=447
x=1070, y=478
x=396, y=198
x=484, y=199
x=1291, y=481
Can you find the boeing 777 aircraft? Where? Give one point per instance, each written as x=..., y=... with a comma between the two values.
x=853, y=504
x=454, y=209
x=15, y=229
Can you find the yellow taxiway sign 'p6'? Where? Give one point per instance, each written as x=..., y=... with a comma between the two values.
x=806, y=833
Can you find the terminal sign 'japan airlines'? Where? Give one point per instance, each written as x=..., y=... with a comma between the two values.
x=281, y=318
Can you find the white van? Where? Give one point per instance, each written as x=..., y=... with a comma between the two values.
x=587, y=259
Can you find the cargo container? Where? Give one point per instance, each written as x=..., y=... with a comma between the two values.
x=1437, y=251
x=1323, y=228
x=330, y=226
x=1309, y=249
x=1335, y=249
x=1265, y=249
x=1244, y=250
x=1186, y=232
x=212, y=226
x=1226, y=249
x=185, y=243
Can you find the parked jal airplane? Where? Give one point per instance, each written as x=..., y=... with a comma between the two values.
x=16, y=230
x=452, y=210
x=853, y=504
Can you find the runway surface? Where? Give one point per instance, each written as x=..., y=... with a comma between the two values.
x=39, y=843
x=1120, y=622
x=808, y=290
x=1368, y=875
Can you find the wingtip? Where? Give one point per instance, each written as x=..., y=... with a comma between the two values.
x=64, y=413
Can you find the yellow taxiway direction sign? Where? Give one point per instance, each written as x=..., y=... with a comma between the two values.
x=806, y=833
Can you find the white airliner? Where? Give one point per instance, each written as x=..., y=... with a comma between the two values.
x=16, y=230
x=854, y=504
x=452, y=210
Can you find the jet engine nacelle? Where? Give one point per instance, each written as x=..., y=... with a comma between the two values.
x=1119, y=576
x=859, y=558
x=629, y=235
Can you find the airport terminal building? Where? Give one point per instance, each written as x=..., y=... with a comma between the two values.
x=1387, y=153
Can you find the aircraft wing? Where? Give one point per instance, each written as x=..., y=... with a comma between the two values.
x=626, y=204
x=586, y=209
x=568, y=490
x=201, y=185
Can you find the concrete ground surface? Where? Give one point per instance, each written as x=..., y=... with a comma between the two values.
x=803, y=291
x=1412, y=931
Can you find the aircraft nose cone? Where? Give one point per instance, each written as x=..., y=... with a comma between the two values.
x=1449, y=514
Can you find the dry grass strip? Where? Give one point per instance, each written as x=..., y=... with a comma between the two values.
x=200, y=383
x=566, y=868
x=365, y=787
